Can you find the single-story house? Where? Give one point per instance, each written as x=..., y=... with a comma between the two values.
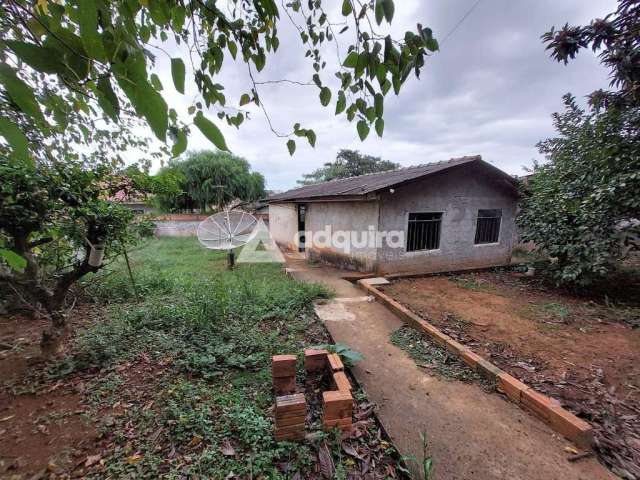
x=445, y=216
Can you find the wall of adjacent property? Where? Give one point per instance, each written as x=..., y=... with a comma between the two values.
x=177, y=225
x=283, y=225
x=357, y=220
x=458, y=194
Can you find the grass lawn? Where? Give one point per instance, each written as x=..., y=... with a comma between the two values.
x=176, y=373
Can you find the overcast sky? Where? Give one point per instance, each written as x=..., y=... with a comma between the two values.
x=490, y=91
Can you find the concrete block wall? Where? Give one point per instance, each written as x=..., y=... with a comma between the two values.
x=358, y=217
x=458, y=195
x=283, y=225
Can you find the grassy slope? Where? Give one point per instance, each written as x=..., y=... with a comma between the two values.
x=184, y=385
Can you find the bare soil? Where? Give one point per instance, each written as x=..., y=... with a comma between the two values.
x=43, y=425
x=580, y=351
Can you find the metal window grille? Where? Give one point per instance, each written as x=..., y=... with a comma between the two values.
x=423, y=232
x=488, y=226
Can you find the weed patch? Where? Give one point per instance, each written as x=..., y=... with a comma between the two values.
x=428, y=354
x=179, y=371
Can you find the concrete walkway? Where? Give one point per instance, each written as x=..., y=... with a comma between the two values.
x=472, y=434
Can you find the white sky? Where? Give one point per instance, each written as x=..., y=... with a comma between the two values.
x=490, y=90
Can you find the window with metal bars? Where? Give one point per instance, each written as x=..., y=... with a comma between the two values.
x=488, y=226
x=423, y=232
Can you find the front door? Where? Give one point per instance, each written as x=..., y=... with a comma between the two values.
x=302, y=210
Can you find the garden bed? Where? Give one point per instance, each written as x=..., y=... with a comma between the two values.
x=584, y=352
x=173, y=379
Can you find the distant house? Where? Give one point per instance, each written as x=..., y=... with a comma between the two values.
x=133, y=201
x=445, y=216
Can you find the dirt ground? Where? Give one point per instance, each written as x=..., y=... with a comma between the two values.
x=41, y=434
x=584, y=353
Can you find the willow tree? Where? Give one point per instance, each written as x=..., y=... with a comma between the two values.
x=209, y=179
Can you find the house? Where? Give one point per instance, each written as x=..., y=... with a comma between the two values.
x=452, y=215
x=133, y=201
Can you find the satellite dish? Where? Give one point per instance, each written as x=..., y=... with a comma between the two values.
x=226, y=230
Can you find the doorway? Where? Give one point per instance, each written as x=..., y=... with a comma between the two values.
x=302, y=211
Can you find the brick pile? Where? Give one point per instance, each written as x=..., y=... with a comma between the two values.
x=283, y=371
x=291, y=408
x=290, y=413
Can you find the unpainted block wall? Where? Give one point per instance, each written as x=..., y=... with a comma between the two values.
x=357, y=220
x=283, y=225
x=458, y=195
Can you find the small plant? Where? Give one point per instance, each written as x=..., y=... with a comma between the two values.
x=349, y=357
x=425, y=466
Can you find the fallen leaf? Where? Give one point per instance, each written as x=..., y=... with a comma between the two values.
x=133, y=459
x=92, y=460
x=350, y=450
x=327, y=468
x=195, y=441
x=227, y=449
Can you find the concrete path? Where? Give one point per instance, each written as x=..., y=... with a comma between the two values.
x=472, y=434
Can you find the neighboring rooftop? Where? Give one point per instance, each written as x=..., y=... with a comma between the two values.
x=373, y=182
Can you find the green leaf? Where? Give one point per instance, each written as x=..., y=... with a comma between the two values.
x=14, y=137
x=151, y=104
x=380, y=127
x=42, y=59
x=209, y=130
x=291, y=146
x=178, y=15
x=20, y=92
x=346, y=8
x=88, y=22
x=432, y=44
x=155, y=82
x=233, y=48
x=15, y=261
x=352, y=60
x=342, y=103
x=379, y=10
x=107, y=98
x=177, y=72
x=180, y=144
x=245, y=99
x=389, y=9
x=311, y=137
x=363, y=129
x=325, y=96
x=379, y=104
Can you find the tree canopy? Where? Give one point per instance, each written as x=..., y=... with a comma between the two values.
x=348, y=163
x=87, y=68
x=582, y=205
x=579, y=207
x=615, y=38
x=209, y=179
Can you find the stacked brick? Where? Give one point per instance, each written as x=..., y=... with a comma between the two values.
x=337, y=405
x=283, y=371
x=291, y=409
x=290, y=413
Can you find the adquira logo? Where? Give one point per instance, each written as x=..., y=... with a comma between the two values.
x=260, y=248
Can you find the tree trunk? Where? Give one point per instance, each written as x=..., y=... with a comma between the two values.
x=53, y=337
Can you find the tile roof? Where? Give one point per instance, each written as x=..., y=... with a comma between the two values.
x=372, y=182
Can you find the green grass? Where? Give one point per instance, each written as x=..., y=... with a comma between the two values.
x=202, y=337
